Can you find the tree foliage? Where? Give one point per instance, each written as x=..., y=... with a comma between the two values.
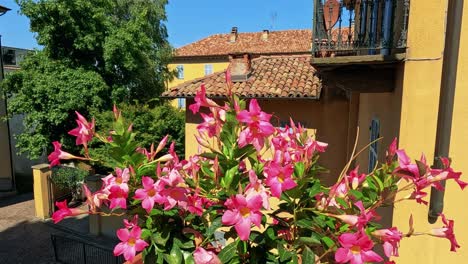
x=153, y=124
x=95, y=53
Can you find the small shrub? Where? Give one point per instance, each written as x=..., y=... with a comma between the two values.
x=69, y=178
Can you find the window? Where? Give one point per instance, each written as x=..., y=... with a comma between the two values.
x=208, y=69
x=373, y=149
x=181, y=103
x=180, y=71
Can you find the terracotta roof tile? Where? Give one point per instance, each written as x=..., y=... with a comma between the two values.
x=278, y=42
x=293, y=76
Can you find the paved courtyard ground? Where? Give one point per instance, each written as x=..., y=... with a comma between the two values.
x=27, y=239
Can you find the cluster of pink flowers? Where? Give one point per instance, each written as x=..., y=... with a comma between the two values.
x=176, y=184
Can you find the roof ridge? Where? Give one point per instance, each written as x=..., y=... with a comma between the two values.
x=240, y=33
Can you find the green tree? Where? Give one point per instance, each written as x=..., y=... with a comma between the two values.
x=152, y=124
x=95, y=53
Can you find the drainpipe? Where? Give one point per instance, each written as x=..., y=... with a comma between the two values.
x=446, y=99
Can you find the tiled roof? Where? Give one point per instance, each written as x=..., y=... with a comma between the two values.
x=278, y=42
x=271, y=77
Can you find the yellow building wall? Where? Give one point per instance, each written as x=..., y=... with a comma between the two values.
x=194, y=69
x=420, y=98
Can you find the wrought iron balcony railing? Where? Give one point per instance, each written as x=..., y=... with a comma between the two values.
x=359, y=27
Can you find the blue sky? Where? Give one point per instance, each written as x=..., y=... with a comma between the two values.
x=191, y=20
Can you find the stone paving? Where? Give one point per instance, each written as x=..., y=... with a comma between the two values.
x=27, y=239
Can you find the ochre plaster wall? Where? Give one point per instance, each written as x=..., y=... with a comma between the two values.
x=420, y=97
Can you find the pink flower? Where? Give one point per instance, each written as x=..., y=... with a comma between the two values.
x=446, y=174
x=446, y=232
x=123, y=176
x=64, y=211
x=356, y=248
x=58, y=154
x=391, y=238
x=170, y=193
x=391, y=151
x=148, y=194
x=351, y=220
x=242, y=213
x=131, y=243
x=201, y=100
x=355, y=179
x=195, y=204
x=131, y=224
x=117, y=197
x=212, y=124
x=278, y=178
x=366, y=215
x=255, y=187
x=202, y=256
x=84, y=132
x=258, y=126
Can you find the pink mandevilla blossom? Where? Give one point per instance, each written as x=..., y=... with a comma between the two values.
x=121, y=180
x=115, y=189
x=366, y=215
x=391, y=239
x=65, y=211
x=258, y=126
x=446, y=232
x=132, y=223
x=256, y=187
x=213, y=122
x=84, y=132
x=148, y=194
x=279, y=179
x=202, y=100
x=131, y=243
x=58, y=154
x=202, y=256
x=446, y=174
x=391, y=151
x=170, y=192
x=117, y=197
x=242, y=213
x=356, y=248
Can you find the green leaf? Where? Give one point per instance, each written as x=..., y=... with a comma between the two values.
x=161, y=238
x=357, y=194
x=283, y=253
x=342, y=202
x=228, y=252
x=315, y=189
x=215, y=224
x=145, y=234
x=328, y=241
x=188, y=257
x=299, y=169
x=229, y=177
x=309, y=241
x=175, y=256
x=308, y=255
x=304, y=223
x=379, y=182
x=149, y=222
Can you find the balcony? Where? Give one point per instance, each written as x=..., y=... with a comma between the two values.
x=359, y=31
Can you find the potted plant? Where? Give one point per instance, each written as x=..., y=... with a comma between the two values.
x=252, y=194
x=70, y=179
